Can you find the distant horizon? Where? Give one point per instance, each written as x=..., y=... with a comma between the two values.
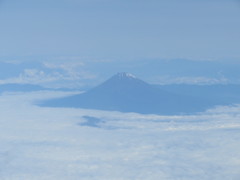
x=79, y=73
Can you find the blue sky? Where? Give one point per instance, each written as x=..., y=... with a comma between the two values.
x=114, y=29
x=87, y=41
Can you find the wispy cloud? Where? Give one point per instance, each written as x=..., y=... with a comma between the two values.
x=32, y=76
x=63, y=75
x=71, y=70
x=190, y=80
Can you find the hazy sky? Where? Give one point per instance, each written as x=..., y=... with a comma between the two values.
x=121, y=29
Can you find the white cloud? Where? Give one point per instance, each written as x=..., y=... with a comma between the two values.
x=48, y=143
x=72, y=70
x=32, y=76
x=65, y=66
x=200, y=80
x=66, y=73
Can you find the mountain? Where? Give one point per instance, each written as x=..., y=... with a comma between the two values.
x=126, y=93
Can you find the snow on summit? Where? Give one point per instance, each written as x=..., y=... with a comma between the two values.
x=125, y=75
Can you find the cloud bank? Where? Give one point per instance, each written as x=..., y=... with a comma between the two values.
x=50, y=143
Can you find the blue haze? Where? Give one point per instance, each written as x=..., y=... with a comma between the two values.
x=121, y=29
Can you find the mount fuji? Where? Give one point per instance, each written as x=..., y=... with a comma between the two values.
x=125, y=93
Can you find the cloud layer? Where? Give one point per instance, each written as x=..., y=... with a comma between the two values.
x=50, y=143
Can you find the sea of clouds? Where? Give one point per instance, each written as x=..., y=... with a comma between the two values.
x=40, y=143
